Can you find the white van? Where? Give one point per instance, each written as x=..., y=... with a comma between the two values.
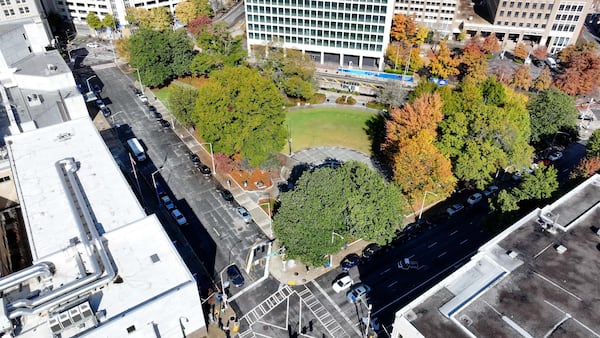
x=136, y=149
x=551, y=63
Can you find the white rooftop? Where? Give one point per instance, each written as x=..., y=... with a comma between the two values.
x=46, y=210
x=153, y=289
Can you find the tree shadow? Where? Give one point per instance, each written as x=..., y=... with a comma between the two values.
x=375, y=130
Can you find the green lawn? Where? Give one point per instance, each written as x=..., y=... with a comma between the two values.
x=329, y=127
x=163, y=95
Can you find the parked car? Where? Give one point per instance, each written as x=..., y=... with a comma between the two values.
x=157, y=115
x=235, y=276
x=358, y=291
x=227, y=195
x=178, y=217
x=106, y=112
x=454, y=209
x=91, y=45
x=152, y=108
x=350, y=261
x=204, y=169
x=370, y=250
x=342, y=282
x=555, y=156
x=164, y=123
x=166, y=201
x=475, y=198
x=159, y=190
x=374, y=323
x=142, y=97
x=100, y=104
x=490, y=190
x=244, y=214
x=194, y=158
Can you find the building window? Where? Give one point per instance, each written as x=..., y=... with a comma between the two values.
x=512, y=4
x=561, y=8
x=547, y=16
x=542, y=6
x=509, y=13
x=513, y=24
x=516, y=14
x=526, y=5
x=539, y=15
x=501, y=13
x=503, y=3
x=519, y=4
x=534, y=5
x=528, y=25
x=531, y=15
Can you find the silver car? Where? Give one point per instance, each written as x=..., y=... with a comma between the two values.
x=244, y=214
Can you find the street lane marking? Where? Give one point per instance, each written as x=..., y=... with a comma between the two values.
x=392, y=284
x=453, y=232
x=342, y=313
x=431, y=245
x=381, y=273
x=411, y=256
x=464, y=241
x=420, y=285
x=215, y=229
x=442, y=254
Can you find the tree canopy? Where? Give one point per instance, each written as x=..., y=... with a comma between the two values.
x=486, y=127
x=159, y=56
x=185, y=12
x=551, y=111
x=219, y=49
x=241, y=112
x=158, y=18
x=581, y=65
x=109, y=21
x=593, y=145
x=443, y=64
x=473, y=63
x=182, y=103
x=93, y=20
x=353, y=201
x=291, y=71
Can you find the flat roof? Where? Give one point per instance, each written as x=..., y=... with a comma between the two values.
x=536, y=291
x=37, y=64
x=49, y=220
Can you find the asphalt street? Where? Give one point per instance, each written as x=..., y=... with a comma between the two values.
x=217, y=234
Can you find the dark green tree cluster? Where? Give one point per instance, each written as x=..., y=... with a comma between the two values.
x=241, y=112
x=551, y=111
x=219, y=49
x=182, y=103
x=160, y=55
x=291, y=71
x=486, y=127
x=353, y=201
x=539, y=185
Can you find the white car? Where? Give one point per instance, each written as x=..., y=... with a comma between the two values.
x=244, y=214
x=92, y=45
x=142, y=98
x=178, y=217
x=555, y=156
x=342, y=283
x=475, y=198
x=454, y=209
x=490, y=190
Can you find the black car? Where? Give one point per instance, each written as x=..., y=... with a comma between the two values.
x=204, y=169
x=164, y=123
x=371, y=250
x=157, y=115
x=235, y=276
x=227, y=195
x=350, y=261
x=152, y=108
x=194, y=158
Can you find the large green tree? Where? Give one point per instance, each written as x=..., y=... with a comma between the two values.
x=551, y=111
x=353, y=201
x=486, y=127
x=93, y=21
x=241, y=112
x=182, y=103
x=109, y=21
x=159, y=56
x=288, y=65
x=593, y=145
x=219, y=49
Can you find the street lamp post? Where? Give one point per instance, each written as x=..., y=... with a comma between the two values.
x=268, y=203
x=212, y=156
x=368, y=320
x=423, y=204
x=154, y=184
x=88, y=82
x=223, y=285
x=70, y=57
x=140, y=79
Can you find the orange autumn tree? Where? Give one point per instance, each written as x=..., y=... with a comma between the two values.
x=490, y=44
x=418, y=165
x=473, y=62
x=443, y=64
x=404, y=28
x=522, y=77
x=543, y=81
x=581, y=65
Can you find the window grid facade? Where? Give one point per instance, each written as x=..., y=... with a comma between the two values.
x=358, y=28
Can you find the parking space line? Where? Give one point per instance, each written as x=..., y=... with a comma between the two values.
x=392, y=284
x=464, y=241
x=453, y=232
x=411, y=256
x=431, y=245
x=386, y=271
x=442, y=254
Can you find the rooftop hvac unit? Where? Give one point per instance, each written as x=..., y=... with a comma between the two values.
x=33, y=100
x=561, y=249
x=75, y=316
x=51, y=67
